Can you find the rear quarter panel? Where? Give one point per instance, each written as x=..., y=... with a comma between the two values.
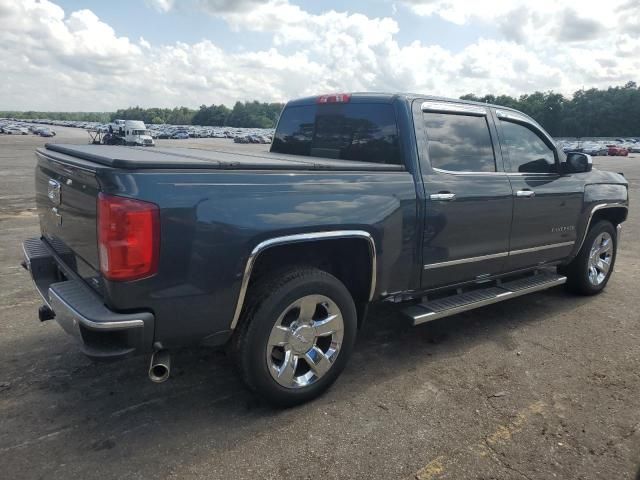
x=210, y=222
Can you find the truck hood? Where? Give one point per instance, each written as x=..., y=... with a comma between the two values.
x=604, y=176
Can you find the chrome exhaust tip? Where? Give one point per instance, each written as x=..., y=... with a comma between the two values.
x=160, y=366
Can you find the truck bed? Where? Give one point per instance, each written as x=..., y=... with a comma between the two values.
x=136, y=158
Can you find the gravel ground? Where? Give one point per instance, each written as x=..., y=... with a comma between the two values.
x=543, y=386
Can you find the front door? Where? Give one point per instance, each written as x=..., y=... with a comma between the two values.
x=468, y=195
x=546, y=204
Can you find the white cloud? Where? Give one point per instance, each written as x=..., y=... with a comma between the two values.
x=541, y=21
x=56, y=60
x=161, y=5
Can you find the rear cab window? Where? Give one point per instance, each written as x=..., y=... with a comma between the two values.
x=358, y=131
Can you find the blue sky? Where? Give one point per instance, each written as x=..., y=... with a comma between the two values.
x=104, y=55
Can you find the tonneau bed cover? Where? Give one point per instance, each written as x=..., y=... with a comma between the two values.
x=135, y=158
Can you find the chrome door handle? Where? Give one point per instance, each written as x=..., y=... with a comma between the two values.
x=525, y=193
x=443, y=197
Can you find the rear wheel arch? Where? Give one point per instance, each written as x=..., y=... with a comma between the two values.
x=343, y=254
x=269, y=337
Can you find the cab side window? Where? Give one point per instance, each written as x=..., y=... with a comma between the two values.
x=528, y=153
x=459, y=143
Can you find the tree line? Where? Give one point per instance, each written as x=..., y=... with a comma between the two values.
x=243, y=114
x=587, y=113
x=614, y=111
x=102, y=117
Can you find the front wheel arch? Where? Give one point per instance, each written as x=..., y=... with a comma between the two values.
x=616, y=214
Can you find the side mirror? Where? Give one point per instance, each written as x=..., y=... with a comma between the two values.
x=577, y=162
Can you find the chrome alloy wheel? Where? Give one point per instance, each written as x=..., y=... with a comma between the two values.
x=305, y=341
x=600, y=258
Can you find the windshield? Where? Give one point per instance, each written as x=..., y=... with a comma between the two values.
x=140, y=132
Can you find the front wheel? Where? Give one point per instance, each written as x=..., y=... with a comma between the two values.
x=589, y=272
x=296, y=335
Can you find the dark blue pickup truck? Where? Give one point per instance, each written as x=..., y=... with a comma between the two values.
x=438, y=205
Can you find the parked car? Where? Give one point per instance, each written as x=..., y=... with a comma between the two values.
x=571, y=147
x=15, y=131
x=46, y=132
x=278, y=254
x=591, y=148
x=180, y=135
x=617, y=150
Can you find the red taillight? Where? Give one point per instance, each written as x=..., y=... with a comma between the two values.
x=334, y=98
x=128, y=237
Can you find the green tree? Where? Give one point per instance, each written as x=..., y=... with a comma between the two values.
x=598, y=113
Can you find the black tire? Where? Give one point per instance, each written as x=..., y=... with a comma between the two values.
x=266, y=302
x=577, y=271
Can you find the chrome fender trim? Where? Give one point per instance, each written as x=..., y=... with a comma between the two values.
x=298, y=238
x=593, y=211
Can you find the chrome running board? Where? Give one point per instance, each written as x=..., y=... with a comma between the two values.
x=461, y=302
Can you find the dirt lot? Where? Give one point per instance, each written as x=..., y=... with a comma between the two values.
x=544, y=386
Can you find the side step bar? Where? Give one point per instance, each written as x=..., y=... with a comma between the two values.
x=461, y=302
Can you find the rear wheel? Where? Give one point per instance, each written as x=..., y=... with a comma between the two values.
x=296, y=335
x=589, y=272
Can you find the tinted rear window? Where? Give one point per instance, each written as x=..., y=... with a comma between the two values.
x=459, y=142
x=364, y=132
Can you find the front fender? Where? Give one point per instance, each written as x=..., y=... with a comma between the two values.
x=606, y=200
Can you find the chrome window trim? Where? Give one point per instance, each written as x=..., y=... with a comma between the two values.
x=593, y=211
x=508, y=115
x=480, y=258
x=298, y=238
x=450, y=107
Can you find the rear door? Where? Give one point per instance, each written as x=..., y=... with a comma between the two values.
x=547, y=204
x=468, y=195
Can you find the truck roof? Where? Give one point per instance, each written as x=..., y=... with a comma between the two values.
x=387, y=97
x=134, y=123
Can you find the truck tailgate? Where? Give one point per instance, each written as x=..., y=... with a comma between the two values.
x=66, y=196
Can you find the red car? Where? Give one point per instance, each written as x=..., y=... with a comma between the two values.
x=616, y=150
